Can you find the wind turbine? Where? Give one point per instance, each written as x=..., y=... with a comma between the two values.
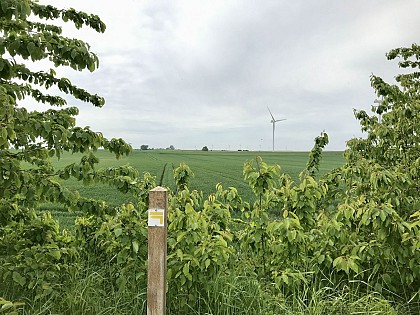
x=273, y=121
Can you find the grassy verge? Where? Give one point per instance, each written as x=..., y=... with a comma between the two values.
x=89, y=291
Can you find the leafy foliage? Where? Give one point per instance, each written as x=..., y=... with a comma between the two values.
x=182, y=175
x=315, y=155
x=34, y=252
x=361, y=221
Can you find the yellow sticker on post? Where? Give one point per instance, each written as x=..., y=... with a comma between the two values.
x=156, y=217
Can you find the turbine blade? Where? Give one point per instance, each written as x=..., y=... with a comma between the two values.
x=280, y=119
x=271, y=113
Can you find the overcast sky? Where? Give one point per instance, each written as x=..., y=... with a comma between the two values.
x=195, y=73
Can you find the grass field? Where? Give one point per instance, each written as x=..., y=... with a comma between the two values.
x=210, y=168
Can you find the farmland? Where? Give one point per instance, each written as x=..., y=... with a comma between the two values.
x=210, y=168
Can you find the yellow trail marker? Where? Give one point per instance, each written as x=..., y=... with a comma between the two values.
x=156, y=217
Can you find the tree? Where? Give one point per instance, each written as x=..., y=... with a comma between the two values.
x=30, y=244
x=394, y=140
x=379, y=187
x=361, y=221
x=205, y=148
x=144, y=147
x=393, y=143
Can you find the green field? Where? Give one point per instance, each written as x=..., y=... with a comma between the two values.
x=209, y=168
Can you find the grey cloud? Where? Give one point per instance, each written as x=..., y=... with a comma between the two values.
x=188, y=78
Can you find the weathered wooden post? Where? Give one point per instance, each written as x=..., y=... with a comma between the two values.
x=157, y=234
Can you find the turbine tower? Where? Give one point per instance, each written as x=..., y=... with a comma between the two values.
x=273, y=121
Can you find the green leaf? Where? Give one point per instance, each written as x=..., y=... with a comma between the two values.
x=18, y=278
x=353, y=266
x=4, y=134
x=14, y=46
x=31, y=47
x=186, y=271
x=321, y=258
x=382, y=215
x=387, y=278
x=285, y=278
x=55, y=254
x=135, y=246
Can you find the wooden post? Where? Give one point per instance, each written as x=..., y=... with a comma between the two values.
x=157, y=251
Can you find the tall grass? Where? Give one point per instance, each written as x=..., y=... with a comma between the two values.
x=90, y=290
x=245, y=294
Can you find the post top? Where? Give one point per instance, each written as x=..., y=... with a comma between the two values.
x=159, y=189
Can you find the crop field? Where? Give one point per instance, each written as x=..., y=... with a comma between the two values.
x=210, y=168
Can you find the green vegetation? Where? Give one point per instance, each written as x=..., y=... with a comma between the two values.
x=343, y=242
x=210, y=168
